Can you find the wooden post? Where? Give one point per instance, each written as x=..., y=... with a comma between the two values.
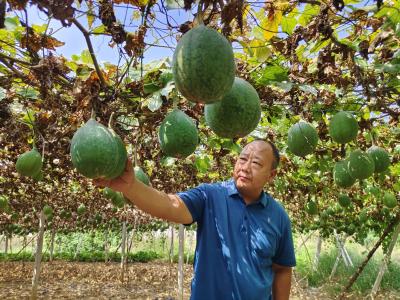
x=385, y=261
x=24, y=242
x=171, y=246
x=106, y=246
x=340, y=254
x=190, y=240
x=180, y=261
x=6, y=245
x=78, y=246
x=123, y=248
x=53, y=234
x=303, y=241
x=317, y=253
x=38, y=256
x=10, y=243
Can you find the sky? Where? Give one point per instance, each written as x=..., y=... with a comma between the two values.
x=75, y=42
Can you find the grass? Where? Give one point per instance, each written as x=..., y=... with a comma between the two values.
x=364, y=283
x=84, y=256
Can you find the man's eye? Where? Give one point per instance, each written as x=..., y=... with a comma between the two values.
x=242, y=159
x=257, y=163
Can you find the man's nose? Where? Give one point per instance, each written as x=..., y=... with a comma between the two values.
x=246, y=166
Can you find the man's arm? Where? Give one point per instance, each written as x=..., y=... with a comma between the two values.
x=158, y=204
x=282, y=282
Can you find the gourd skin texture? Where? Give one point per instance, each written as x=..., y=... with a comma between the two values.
x=238, y=112
x=29, y=163
x=178, y=135
x=302, y=138
x=381, y=158
x=203, y=65
x=97, y=152
x=341, y=174
x=361, y=165
x=343, y=127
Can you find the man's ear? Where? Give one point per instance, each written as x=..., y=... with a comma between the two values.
x=272, y=175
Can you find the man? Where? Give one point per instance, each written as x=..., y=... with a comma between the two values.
x=244, y=241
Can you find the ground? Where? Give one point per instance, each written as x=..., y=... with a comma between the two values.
x=74, y=280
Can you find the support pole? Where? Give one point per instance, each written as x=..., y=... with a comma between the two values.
x=38, y=256
x=180, y=261
x=385, y=262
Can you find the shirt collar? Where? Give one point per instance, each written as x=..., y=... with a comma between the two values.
x=232, y=190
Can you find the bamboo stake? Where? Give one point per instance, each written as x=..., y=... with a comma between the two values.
x=385, y=262
x=38, y=256
x=180, y=261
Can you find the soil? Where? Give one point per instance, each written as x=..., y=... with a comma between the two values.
x=75, y=280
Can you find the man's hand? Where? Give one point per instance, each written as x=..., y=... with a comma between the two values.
x=123, y=183
x=157, y=203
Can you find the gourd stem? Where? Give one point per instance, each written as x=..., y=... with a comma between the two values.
x=110, y=120
x=93, y=114
x=199, y=15
x=372, y=138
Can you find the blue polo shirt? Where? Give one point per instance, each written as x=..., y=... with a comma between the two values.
x=236, y=243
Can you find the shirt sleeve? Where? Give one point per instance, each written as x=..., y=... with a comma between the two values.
x=195, y=200
x=285, y=255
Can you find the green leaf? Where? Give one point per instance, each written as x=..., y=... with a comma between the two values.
x=352, y=44
x=361, y=62
x=11, y=23
x=168, y=161
x=284, y=85
x=175, y=4
x=289, y=21
x=39, y=28
x=230, y=145
x=168, y=89
x=28, y=92
x=99, y=29
x=273, y=73
x=29, y=117
x=154, y=102
x=308, y=13
x=90, y=14
x=308, y=89
x=202, y=164
x=2, y=93
x=86, y=58
x=166, y=77
x=151, y=87
x=128, y=122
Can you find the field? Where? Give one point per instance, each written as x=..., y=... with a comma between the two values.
x=150, y=274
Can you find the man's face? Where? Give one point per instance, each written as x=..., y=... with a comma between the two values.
x=253, y=168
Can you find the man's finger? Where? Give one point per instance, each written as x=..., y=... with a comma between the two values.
x=129, y=165
x=100, y=182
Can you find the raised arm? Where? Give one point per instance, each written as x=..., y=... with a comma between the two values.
x=157, y=203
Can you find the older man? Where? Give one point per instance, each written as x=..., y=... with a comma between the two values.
x=244, y=241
